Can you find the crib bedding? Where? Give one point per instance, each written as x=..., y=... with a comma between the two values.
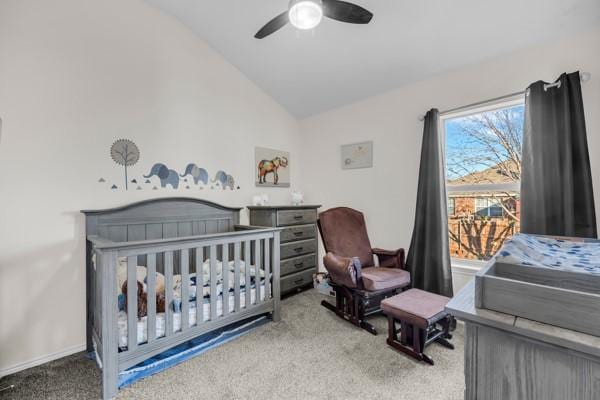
x=141, y=273
x=560, y=254
x=160, y=317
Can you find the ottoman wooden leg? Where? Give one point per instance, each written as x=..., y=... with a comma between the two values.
x=446, y=324
x=391, y=328
x=405, y=335
x=419, y=342
x=412, y=340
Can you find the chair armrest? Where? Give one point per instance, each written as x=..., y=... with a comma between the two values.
x=390, y=258
x=344, y=271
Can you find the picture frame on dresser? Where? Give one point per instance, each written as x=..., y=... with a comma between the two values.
x=299, y=246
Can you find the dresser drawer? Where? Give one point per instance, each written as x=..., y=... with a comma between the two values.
x=297, y=264
x=293, y=249
x=296, y=217
x=298, y=233
x=291, y=282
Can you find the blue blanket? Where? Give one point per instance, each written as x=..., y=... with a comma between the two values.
x=582, y=256
x=187, y=350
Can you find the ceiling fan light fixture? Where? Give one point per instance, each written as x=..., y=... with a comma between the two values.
x=306, y=14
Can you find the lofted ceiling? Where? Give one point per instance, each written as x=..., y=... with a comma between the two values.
x=312, y=71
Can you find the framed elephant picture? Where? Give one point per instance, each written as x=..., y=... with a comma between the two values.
x=272, y=167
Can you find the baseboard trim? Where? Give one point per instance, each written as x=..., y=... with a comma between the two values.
x=41, y=360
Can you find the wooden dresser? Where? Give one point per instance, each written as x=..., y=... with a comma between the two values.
x=509, y=357
x=299, y=249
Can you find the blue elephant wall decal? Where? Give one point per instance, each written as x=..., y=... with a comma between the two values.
x=167, y=176
x=199, y=174
x=225, y=180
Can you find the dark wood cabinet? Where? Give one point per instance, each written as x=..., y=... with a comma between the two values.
x=299, y=249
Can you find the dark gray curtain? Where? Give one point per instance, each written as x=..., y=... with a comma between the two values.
x=429, y=255
x=557, y=197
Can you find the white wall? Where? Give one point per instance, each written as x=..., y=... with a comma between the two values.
x=387, y=192
x=75, y=76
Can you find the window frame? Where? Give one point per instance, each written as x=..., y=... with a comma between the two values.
x=518, y=99
x=453, y=213
x=489, y=205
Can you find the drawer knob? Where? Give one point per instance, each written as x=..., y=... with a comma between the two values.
x=296, y=217
x=298, y=249
x=297, y=281
x=299, y=265
x=298, y=233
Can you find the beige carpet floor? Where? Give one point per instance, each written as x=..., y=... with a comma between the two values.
x=310, y=354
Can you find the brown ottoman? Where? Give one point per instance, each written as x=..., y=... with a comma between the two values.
x=422, y=320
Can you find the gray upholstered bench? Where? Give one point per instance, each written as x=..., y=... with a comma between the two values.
x=422, y=320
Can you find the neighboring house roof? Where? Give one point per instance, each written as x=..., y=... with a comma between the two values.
x=505, y=172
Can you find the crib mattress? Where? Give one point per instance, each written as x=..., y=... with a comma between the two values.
x=142, y=331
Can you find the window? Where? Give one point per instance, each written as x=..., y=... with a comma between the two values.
x=451, y=206
x=483, y=169
x=488, y=207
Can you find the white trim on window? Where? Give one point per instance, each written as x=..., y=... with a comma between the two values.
x=495, y=105
x=485, y=187
x=467, y=264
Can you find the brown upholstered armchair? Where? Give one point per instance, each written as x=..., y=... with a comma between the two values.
x=359, y=284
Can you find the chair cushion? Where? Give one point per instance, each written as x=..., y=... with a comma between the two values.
x=344, y=233
x=379, y=278
x=417, y=307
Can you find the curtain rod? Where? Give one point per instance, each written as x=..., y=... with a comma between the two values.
x=584, y=76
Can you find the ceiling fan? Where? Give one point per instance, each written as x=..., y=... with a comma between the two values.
x=307, y=14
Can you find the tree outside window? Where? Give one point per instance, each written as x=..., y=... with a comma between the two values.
x=483, y=166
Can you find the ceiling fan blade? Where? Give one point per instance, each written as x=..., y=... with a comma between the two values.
x=346, y=12
x=273, y=25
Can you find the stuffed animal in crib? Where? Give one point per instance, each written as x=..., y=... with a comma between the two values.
x=160, y=303
x=142, y=275
x=142, y=300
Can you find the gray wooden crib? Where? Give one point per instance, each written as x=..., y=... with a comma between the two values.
x=173, y=238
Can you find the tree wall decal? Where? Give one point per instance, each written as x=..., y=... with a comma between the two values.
x=126, y=153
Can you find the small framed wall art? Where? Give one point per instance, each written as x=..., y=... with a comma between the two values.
x=357, y=155
x=271, y=167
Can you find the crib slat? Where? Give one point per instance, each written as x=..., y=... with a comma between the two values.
x=276, y=315
x=213, y=282
x=168, y=293
x=248, y=262
x=132, y=316
x=98, y=294
x=236, y=275
x=257, y=265
x=199, y=285
x=267, y=259
x=151, y=282
x=185, y=288
x=225, y=259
